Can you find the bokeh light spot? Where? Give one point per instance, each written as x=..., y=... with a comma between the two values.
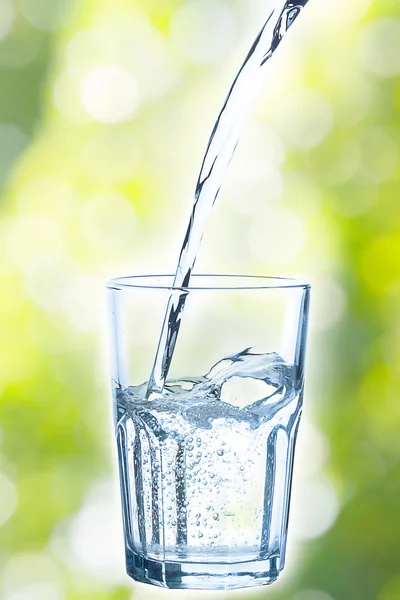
x=315, y=508
x=8, y=499
x=13, y=142
x=49, y=278
x=304, y=118
x=261, y=154
x=278, y=237
x=329, y=303
x=380, y=47
x=127, y=44
x=358, y=97
x=67, y=98
x=109, y=94
x=298, y=186
x=51, y=196
x=45, y=15
x=91, y=541
x=111, y=156
x=379, y=156
x=345, y=166
x=37, y=591
x=7, y=16
x=203, y=36
x=108, y=221
x=31, y=572
x=81, y=303
x=257, y=178
x=249, y=198
x=160, y=71
x=33, y=237
x=89, y=48
x=363, y=200
x=20, y=46
x=341, y=13
x=313, y=450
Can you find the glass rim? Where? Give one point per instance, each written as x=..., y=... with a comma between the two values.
x=261, y=282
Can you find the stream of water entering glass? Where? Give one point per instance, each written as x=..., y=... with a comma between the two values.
x=221, y=147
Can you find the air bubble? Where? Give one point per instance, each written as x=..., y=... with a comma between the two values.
x=293, y=14
x=216, y=517
x=220, y=452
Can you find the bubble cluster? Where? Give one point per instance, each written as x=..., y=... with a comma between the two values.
x=209, y=477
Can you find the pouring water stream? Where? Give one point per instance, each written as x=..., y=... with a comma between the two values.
x=221, y=147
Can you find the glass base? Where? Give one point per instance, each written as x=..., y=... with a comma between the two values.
x=202, y=576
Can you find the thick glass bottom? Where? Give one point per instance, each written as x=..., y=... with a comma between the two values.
x=202, y=576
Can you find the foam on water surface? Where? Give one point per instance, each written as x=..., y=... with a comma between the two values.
x=245, y=387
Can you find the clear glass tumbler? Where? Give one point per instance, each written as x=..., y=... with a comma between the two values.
x=206, y=466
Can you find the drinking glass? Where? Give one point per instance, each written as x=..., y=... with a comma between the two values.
x=206, y=465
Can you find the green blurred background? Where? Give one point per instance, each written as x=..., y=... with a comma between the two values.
x=105, y=109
